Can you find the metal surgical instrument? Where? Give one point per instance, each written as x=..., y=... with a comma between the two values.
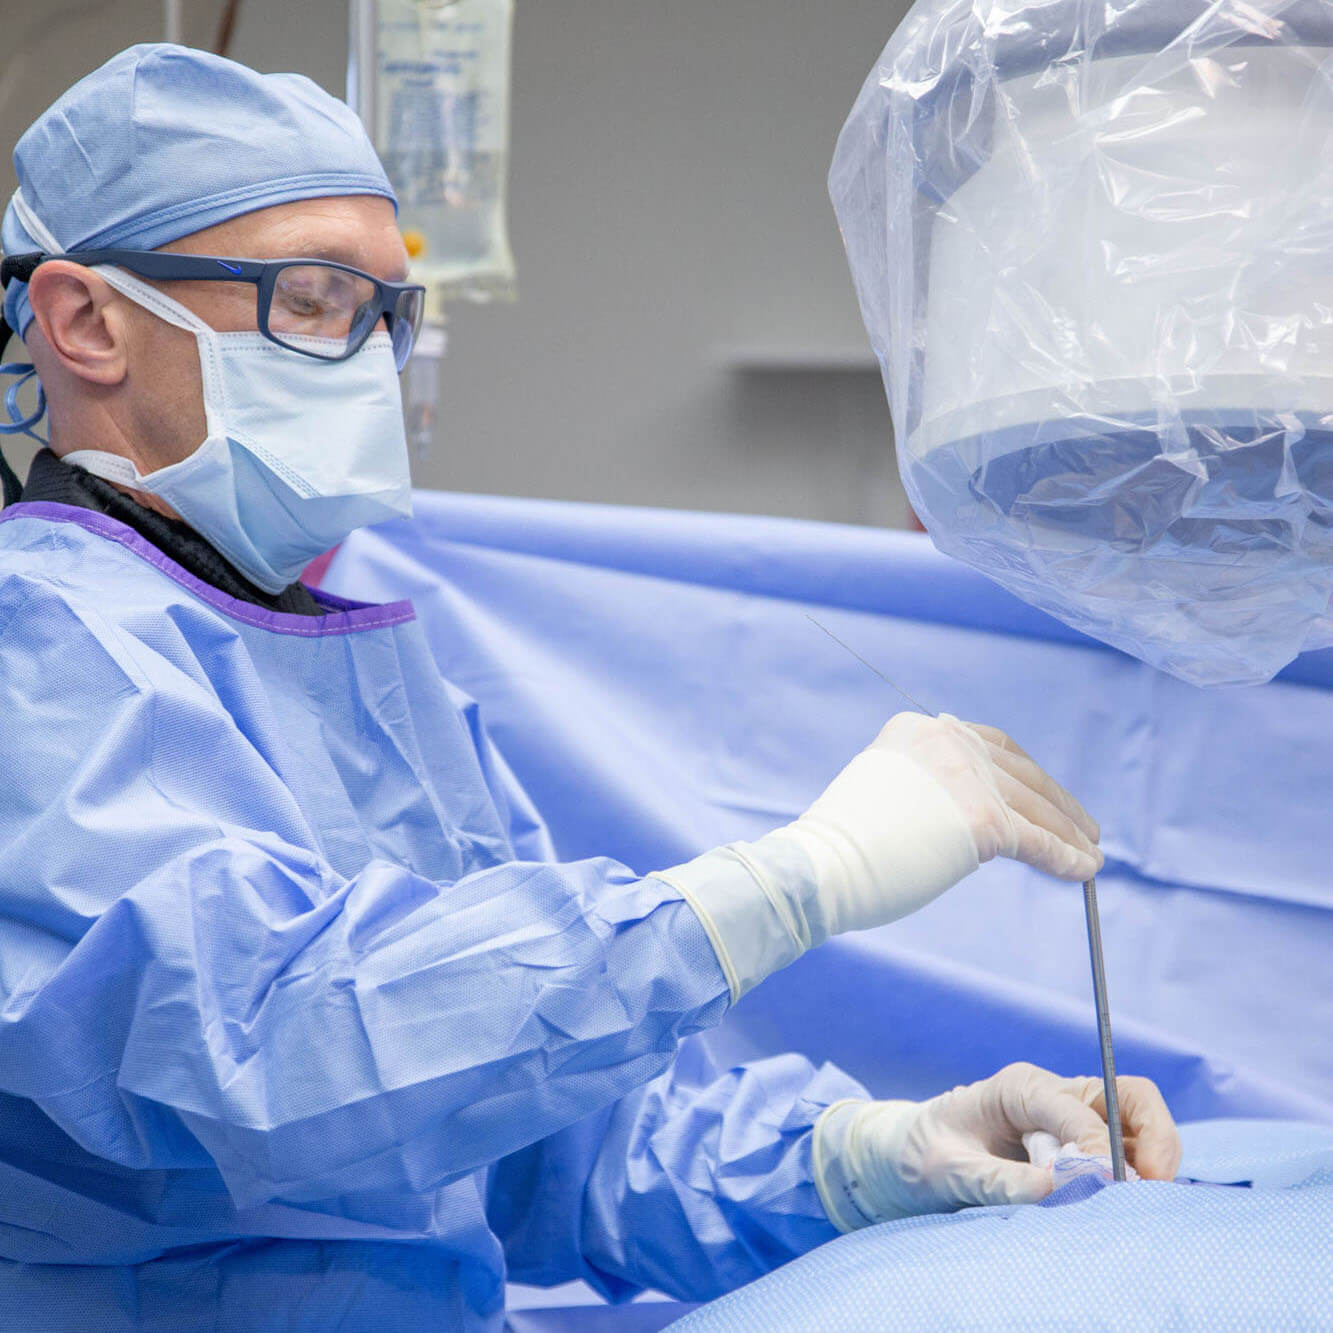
x=1104, y=1029
x=1090, y=912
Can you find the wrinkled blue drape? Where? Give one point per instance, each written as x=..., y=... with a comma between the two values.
x=653, y=681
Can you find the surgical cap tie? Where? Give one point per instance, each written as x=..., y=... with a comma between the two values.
x=18, y=424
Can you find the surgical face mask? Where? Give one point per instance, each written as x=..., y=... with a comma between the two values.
x=300, y=452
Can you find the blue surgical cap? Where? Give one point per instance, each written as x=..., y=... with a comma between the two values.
x=162, y=141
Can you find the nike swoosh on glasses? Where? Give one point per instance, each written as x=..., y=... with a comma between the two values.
x=231, y=268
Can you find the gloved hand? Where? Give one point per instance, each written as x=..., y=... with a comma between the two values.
x=911, y=815
x=918, y=810
x=876, y=1161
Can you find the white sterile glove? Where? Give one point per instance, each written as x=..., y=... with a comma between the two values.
x=910, y=816
x=876, y=1161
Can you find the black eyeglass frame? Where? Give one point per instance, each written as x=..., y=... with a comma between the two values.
x=167, y=266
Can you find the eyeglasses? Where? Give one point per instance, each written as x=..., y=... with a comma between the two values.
x=299, y=300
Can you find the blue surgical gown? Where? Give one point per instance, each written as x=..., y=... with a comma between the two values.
x=302, y=1025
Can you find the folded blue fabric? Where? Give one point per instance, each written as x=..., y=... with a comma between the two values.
x=1151, y=1255
x=651, y=678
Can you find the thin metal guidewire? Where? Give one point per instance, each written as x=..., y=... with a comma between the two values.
x=920, y=708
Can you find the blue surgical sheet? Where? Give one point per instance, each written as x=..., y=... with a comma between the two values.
x=655, y=684
x=1148, y=1256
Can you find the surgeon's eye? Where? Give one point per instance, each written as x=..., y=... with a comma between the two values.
x=317, y=300
x=303, y=303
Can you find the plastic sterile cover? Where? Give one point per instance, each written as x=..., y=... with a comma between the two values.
x=1093, y=246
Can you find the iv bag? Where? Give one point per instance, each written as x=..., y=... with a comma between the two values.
x=430, y=80
x=1093, y=246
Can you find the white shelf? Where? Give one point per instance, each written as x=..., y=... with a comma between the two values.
x=753, y=359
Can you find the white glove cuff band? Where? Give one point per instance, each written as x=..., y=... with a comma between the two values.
x=748, y=919
x=850, y=1186
x=828, y=1154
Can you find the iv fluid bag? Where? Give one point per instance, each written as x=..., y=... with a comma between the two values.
x=431, y=81
x=1093, y=246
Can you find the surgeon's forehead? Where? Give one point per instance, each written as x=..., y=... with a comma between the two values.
x=360, y=230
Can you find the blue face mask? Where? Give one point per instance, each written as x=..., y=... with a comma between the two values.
x=300, y=452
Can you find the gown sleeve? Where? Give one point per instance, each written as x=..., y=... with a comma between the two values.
x=186, y=982
x=693, y=1185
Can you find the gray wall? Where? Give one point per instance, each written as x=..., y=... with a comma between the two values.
x=686, y=333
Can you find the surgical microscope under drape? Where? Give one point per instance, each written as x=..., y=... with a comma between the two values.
x=1094, y=254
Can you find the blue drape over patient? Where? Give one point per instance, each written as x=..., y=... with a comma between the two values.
x=1173, y=1258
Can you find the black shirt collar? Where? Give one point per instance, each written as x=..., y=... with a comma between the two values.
x=65, y=483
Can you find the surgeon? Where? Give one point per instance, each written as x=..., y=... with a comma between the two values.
x=301, y=1024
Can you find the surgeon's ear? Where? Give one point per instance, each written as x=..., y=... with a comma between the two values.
x=82, y=319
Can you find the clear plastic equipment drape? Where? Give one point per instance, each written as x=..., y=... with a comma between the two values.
x=1093, y=245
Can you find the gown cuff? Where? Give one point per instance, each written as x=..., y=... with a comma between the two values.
x=754, y=921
